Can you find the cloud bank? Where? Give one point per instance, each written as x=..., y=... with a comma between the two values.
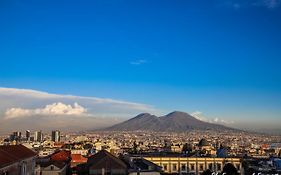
x=29, y=109
x=51, y=109
x=199, y=115
x=32, y=98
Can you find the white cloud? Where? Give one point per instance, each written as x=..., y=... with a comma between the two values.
x=199, y=115
x=16, y=113
x=100, y=107
x=222, y=121
x=138, y=62
x=32, y=109
x=32, y=96
x=51, y=109
x=27, y=92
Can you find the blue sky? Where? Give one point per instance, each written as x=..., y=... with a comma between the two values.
x=219, y=57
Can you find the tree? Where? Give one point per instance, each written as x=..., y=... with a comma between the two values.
x=87, y=146
x=135, y=147
x=187, y=148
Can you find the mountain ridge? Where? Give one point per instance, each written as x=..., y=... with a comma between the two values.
x=175, y=121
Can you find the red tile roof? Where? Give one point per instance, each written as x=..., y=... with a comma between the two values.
x=58, y=144
x=10, y=154
x=78, y=158
x=61, y=155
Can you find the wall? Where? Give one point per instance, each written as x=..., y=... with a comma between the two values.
x=194, y=165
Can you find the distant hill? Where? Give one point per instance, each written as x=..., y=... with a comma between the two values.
x=172, y=122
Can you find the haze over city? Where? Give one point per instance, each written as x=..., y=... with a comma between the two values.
x=93, y=64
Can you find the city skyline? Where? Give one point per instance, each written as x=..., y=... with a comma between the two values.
x=217, y=60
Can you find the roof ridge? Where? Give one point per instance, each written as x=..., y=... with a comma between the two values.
x=11, y=154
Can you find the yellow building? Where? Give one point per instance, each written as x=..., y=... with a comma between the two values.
x=193, y=165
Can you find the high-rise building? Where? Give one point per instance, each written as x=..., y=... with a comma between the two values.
x=56, y=136
x=16, y=136
x=38, y=136
x=27, y=135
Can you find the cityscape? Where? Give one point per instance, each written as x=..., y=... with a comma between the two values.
x=141, y=152
x=138, y=87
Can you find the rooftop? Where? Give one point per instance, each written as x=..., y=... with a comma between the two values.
x=10, y=154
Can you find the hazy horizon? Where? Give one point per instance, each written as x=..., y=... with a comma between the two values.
x=22, y=109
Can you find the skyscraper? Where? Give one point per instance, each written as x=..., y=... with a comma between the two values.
x=56, y=136
x=38, y=136
x=15, y=136
x=27, y=135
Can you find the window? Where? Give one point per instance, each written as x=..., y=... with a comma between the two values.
x=218, y=166
x=238, y=166
x=165, y=167
x=52, y=167
x=174, y=167
x=192, y=167
x=210, y=166
x=201, y=167
x=183, y=167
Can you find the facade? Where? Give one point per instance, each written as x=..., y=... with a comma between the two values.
x=17, y=159
x=140, y=166
x=105, y=163
x=56, y=136
x=193, y=165
x=16, y=136
x=38, y=136
x=27, y=135
x=57, y=163
x=52, y=168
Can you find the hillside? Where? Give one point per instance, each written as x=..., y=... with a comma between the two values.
x=173, y=122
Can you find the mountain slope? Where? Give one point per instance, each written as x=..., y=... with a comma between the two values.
x=175, y=122
x=144, y=121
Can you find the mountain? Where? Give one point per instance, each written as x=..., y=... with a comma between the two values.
x=144, y=121
x=173, y=122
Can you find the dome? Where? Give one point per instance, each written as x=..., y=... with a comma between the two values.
x=203, y=142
